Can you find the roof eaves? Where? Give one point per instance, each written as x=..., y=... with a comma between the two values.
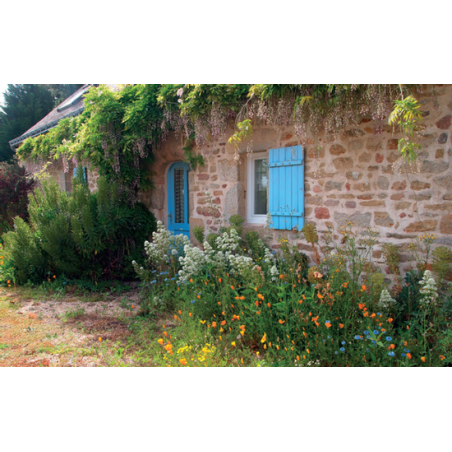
x=40, y=130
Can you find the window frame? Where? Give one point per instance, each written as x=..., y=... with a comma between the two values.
x=251, y=164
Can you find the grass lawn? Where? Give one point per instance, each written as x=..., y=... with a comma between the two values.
x=38, y=328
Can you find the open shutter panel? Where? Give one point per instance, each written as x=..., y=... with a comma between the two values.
x=286, y=187
x=62, y=181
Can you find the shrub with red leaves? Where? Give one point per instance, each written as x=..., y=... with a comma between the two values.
x=15, y=184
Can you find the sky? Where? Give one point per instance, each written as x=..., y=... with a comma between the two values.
x=3, y=88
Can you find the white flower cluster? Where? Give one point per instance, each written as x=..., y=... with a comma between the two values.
x=164, y=244
x=228, y=242
x=193, y=262
x=429, y=291
x=241, y=265
x=385, y=299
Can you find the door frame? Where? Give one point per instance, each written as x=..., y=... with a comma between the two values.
x=170, y=197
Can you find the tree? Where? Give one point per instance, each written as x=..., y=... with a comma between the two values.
x=24, y=106
x=61, y=92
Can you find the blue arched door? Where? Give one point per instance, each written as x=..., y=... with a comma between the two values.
x=178, y=199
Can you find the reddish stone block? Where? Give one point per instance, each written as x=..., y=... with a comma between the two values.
x=444, y=123
x=379, y=158
x=203, y=176
x=322, y=213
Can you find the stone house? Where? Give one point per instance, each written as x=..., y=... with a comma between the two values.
x=351, y=178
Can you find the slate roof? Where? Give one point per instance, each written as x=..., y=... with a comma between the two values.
x=72, y=106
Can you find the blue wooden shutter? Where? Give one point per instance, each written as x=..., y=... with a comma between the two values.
x=286, y=187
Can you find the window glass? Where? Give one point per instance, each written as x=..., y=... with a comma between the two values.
x=260, y=187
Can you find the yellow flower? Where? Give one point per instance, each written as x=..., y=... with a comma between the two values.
x=160, y=341
x=233, y=344
x=100, y=339
x=264, y=338
x=203, y=321
x=183, y=361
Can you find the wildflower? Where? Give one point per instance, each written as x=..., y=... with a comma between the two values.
x=233, y=344
x=391, y=347
x=232, y=287
x=328, y=324
x=281, y=276
x=356, y=337
x=342, y=349
x=203, y=321
x=256, y=303
x=223, y=323
x=366, y=332
x=341, y=325
x=169, y=348
x=281, y=321
x=264, y=338
x=408, y=355
x=219, y=279
x=391, y=354
x=180, y=312
x=373, y=315
x=9, y=282
x=308, y=350
x=183, y=361
x=376, y=332
x=214, y=324
x=389, y=339
x=100, y=339
x=261, y=297
x=54, y=276
x=345, y=285
x=189, y=314
x=199, y=296
x=423, y=359
x=366, y=314
x=191, y=280
x=160, y=341
x=319, y=296
x=363, y=288
x=390, y=320
x=277, y=347
x=442, y=357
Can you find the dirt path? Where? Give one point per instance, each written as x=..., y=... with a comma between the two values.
x=63, y=331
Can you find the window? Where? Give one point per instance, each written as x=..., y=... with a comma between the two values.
x=286, y=187
x=257, y=188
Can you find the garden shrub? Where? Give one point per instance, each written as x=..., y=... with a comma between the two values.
x=15, y=184
x=79, y=234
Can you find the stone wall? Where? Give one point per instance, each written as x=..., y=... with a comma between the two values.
x=351, y=178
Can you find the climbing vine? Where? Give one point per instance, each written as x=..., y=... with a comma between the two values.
x=120, y=130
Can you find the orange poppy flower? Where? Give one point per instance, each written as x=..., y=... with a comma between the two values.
x=256, y=303
x=277, y=347
x=261, y=297
x=232, y=287
x=366, y=314
x=423, y=359
x=168, y=347
x=175, y=317
x=163, y=326
x=100, y=339
x=319, y=296
x=300, y=301
x=408, y=355
x=199, y=296
x=264, y=338
x=180, y=312
x=189, y=314
x=269, y=305
x=373, y=315
x=391, y=347
x=341, y=325
x=390, y=320
x=281, y=276
x=383, y=330
x=407, y=327
x=191, y=280
x=258, y=312
x=345, y=284
x=442, y=357
x=214, y=324
x=219, y=279
x=223, y=323
x=363, y=287
x=317, y=323
x=308, y=350
x=160, y=341
x=242, y=327
x=166, y=334
x=183, y=361
x=281, y=321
